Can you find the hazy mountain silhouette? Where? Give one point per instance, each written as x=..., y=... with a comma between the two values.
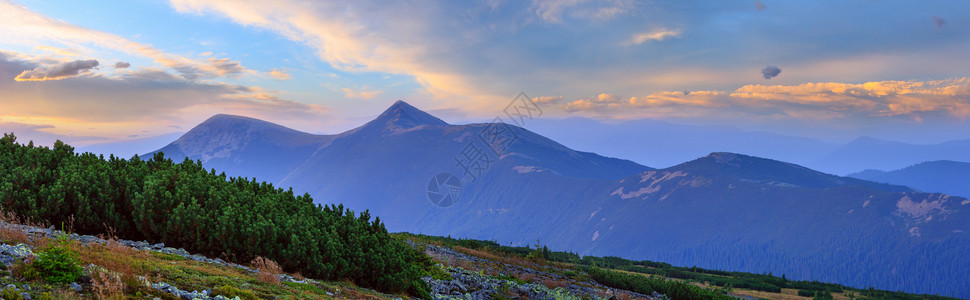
x=869, y=153
x=662, y=144
x=943, y=176
x=724, y=210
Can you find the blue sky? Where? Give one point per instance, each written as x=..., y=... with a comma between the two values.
x=891, y=69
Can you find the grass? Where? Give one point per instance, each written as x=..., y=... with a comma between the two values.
x=739, y=283
x=121, y=272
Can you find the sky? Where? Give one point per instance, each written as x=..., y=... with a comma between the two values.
x=91, y=72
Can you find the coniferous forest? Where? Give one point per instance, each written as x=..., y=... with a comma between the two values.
x=183, y=205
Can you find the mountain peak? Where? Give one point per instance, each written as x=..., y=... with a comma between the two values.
x=403, y=116
x=223, y=118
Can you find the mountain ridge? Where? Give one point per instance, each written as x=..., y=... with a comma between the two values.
x=943, y=176
x=766, y=215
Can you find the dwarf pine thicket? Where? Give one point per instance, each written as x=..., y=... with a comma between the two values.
x=186, y=206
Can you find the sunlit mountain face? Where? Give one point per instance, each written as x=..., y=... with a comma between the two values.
x=823, y=140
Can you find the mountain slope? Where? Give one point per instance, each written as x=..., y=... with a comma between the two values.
x=944, y=176
x=786, y=221
x=242, y=146
x=725, y=210
x=869, y=153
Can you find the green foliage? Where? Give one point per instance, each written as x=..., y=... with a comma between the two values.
x=186, y=206
x=10, y=294
x=511, y=278
x=439, y=273
x=646, y=285
x=724, y=280
x=822, y=295
x=231, y=292
x=57, y=264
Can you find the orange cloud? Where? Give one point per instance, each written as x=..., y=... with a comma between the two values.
x=144, y=102
x=279, y=74
x=825, y=100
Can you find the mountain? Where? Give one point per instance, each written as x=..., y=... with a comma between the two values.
x=241, y=146
x=737, y=212
x=869, y=153
x=509, y=184
x=943, y=176
x=658, y=143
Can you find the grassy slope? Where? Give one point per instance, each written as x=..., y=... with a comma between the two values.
x=122, y=270
x=734, y=283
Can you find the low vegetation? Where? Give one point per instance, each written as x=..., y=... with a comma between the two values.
x=186, y=206
x=115, y=271
x=677, y=282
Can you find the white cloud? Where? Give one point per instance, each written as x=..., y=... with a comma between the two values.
x=553, y=11
x=360, y=94
x=26, y=27
x=658, y=34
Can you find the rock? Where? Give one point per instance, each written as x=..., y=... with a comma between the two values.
x=25, y=295
x=160, y=285
x=19, y=251
x=76, y=287
x=88, y=239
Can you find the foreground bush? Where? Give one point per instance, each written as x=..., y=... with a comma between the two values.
x=186, y=206
x=58, y=263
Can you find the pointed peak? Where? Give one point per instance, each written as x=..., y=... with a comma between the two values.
x=402, y=115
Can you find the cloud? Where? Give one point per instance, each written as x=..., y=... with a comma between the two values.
x=38, y=133
x=279, y=74
x=825, y=100
x=58, y=51
x=658, y=34
x=547, y=99
x=33, y=28
x=938, y=22
x=553, y=11
x=760, y=6
x=770, y=72
x=122, y=65
x=134, y=101
x=360, y=94
x=57, y=72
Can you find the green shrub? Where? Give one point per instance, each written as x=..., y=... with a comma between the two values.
x=57, y=264
x=645, y=285
x=10, y=294
x=231, y=292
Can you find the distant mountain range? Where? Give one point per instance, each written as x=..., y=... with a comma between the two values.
x=724, y=210
x=661, y=144
x=944, y=176
x=869, y=153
